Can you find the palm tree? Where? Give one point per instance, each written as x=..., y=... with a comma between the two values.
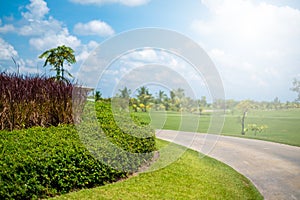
x=161, y=100
x=178, y=97
x=161, y=96
x=144, y=97
x=57, y=57
x=125, y=93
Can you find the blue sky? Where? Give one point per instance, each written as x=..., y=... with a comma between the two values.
x=253, y=44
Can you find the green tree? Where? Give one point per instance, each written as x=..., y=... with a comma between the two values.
x=144, y=98
x=202, y=103
x=161, y=100
x=57, y=57
x=276, y=103
x=296, y=88
x=161, y=97
x=179, y=93
x=123, y=98
x=172, y=97
x=98, y=96
x=134, y=103
x=178, y=98
x=125, y=93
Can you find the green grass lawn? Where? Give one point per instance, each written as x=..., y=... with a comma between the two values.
x=283, y=125
x=190, y=177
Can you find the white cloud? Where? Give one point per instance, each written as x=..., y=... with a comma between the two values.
x=244, y=24
x=45, y=32
x=101, y=2
x=134, y=2
x=48, y=32
x=148, y=56
x=8, y=55
x=150, y=65
x=7, y=50
x=254, y=45
x=94, y=27
x=37, y=9
x=7, y=28
x=51, y=40
x=144, y=55
x=40, y=27
x=86, y=50
x=28, y=66
x=34, y=21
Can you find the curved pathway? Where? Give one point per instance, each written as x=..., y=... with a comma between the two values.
x=273, y=168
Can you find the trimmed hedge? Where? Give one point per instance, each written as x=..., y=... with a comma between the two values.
x=44, y=162
x=115, y=138
x=133, y=135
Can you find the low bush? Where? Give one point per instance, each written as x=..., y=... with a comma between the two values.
x=131, y=134
x=114, y=138
x=43, y=162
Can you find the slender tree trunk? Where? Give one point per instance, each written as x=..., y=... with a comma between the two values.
x=243, y=122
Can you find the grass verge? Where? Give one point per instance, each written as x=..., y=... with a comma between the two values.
x=283, y=125
x=187, y=178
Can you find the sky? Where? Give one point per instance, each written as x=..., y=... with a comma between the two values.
x=254, y=44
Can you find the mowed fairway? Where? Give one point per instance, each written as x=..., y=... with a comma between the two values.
x=283, y=125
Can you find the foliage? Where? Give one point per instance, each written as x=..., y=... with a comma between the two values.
x=132, y=135
x=123, y=98
x=177, y=98
x=40, y=162
x=27, y=101
x=98, y=96
x=43, y=162
x=296, y=88
x=57, y=57
x=187, y=178
x=256, y=128
x=245, y=105
x=161, y=101
x=177, y=101
x=125, y=93
x=144, y=97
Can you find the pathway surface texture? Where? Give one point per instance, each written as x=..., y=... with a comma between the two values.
x=273, y=168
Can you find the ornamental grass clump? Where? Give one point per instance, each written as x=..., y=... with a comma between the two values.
x=27, y=101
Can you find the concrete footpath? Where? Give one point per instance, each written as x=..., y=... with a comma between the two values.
x=273, y=168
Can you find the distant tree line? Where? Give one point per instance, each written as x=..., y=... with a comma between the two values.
x=176, y=100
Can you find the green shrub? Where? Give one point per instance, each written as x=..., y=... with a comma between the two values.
x=130, y=134
x=256, y=128
x=115, y=138
x=44, y=162
x=40, y=162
